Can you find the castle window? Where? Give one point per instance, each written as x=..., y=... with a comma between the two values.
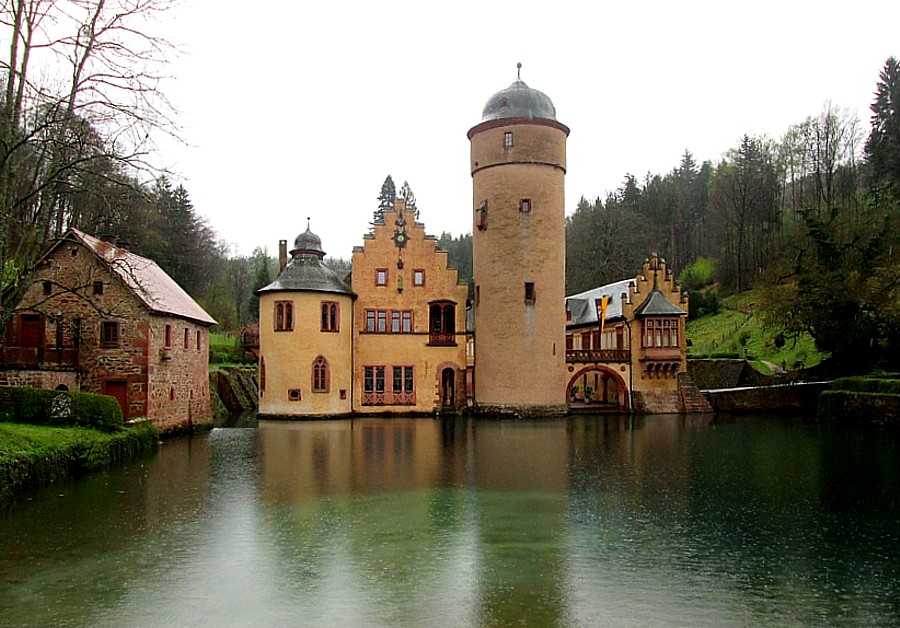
x=381, y=277
x=442, y=324
x=294, y=394
x=525, y=205
x=529, y=293
x=419, y=277
x=660, y=333
x=389, y=321
x=406, y=323
x=197, y=344
x=284, y=316
x=569, y=342
x=403, y=379
x=109, y=334
x=330, y=316
x=187, y=338
x=373, y=380
x=168, y=336
x=262, y=375
x=320, y=383
x=508, y=139
x=98, y=287
x=48, y=288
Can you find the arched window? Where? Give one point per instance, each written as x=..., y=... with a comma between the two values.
x=284, y=315
x=321, y=382
x=442, y=323
x=330, y=316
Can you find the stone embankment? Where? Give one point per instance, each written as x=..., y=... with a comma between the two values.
x=235, y=389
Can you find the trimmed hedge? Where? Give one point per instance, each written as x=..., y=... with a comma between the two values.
x=35, y=455
x=39, y=406
x=887, y=385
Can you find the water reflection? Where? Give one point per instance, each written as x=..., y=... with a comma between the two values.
x=583, y=521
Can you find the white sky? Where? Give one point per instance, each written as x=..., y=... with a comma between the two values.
x=296, y=109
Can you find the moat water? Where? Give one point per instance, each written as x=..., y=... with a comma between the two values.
x=584, y=521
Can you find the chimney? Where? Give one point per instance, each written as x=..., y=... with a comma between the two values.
x=399, y=205
x=282, y=256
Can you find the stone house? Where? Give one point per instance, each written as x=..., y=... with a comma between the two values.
x=98, y=318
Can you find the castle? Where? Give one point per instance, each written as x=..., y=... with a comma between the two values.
x=393, y=336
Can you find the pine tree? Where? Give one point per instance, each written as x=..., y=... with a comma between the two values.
x=883, y=145
x=385, y=199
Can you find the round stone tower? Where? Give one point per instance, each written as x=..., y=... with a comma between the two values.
x=518, y=162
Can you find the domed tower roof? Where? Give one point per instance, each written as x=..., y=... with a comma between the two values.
x=519, y=101
x=305, y=272
x=308, y=243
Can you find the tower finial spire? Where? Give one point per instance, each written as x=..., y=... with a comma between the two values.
x=519, y=71
x=307, y=223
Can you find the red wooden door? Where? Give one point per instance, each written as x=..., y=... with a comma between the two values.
x=31, y=333
x=118, y=388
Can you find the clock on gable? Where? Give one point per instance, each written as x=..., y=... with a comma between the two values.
x=400, y=237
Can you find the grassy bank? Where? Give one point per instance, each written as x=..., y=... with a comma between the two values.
x=35, y=455
x=738, y=331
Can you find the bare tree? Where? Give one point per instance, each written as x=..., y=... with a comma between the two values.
x=81, y=99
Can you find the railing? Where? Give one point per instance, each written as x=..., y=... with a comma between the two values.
x=598, y=355
x=37, y=356
x=388, y=399
x=442, y=339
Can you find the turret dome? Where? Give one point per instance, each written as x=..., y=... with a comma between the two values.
x=308, y=243
x=519, y=101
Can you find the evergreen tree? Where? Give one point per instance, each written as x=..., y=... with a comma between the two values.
x=262, y=277
x=385, y=199
x=883, y=144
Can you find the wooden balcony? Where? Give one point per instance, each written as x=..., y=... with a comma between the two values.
x=39, y=357
x=442, y=339
x=597, y=355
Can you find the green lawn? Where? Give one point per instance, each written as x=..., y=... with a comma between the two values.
x=34, y=455
x=738, y=331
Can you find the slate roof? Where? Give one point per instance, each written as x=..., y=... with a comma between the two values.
x=658, y=305
x=149, y=283
x=519, y=101
x=584, y=310
x=306, y=273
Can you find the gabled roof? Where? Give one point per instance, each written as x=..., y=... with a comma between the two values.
x=583, y=307
x=149, y=283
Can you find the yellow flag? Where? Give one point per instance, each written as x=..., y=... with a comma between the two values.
x=601, y=303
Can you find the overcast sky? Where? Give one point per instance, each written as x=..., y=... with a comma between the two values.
x=300, y=109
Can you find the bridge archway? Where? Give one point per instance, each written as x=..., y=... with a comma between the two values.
x=607, y=387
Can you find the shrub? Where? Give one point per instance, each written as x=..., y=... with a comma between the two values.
x=868, y=385
x=698, y=274
x=39, y=406
x=703, y=304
